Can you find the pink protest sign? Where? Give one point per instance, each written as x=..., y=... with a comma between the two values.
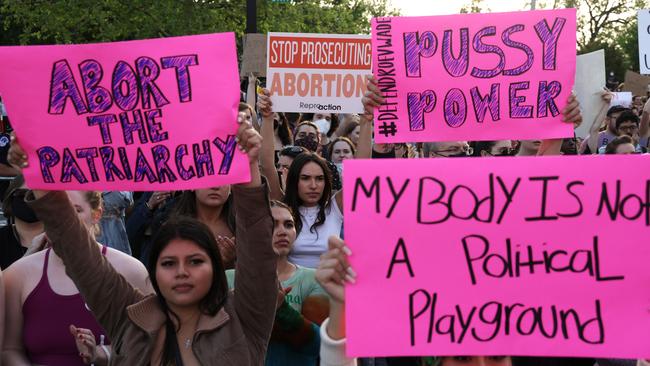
x=499, y=256
x=474, y=77
x=155, y=114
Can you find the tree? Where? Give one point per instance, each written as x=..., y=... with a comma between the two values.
x=83, y=21
x=475, y=6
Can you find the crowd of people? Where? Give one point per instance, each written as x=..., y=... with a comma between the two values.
x=247, y=274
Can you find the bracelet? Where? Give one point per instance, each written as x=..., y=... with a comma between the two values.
x=107, y=352
x=146, y=204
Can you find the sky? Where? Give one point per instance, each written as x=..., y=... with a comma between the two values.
x=440, y=7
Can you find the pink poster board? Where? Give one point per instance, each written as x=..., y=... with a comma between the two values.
x=156, y=114
x=492, y=76
x=468, y=288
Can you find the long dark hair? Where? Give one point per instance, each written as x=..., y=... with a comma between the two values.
x=292, y=197
x=197, y=232
x=284, y=131
x=186, y=206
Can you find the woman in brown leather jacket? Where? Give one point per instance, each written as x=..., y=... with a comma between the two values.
x=192, y=319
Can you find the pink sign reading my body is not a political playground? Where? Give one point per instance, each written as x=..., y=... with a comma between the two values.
x=499, y=256
x=474, y=76
x=154, y=114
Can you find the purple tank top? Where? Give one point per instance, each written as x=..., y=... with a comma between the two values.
x=46, y=320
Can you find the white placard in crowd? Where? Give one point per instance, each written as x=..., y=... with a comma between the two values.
x=623, y=99
x=644, y=40
x=317, y=72
x=590, y=81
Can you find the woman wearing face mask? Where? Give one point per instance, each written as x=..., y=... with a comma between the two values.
x=23, y=227
x=307, y=136
x=326, y=123
x=38, y=283
x=192, y=318
x=302, y=303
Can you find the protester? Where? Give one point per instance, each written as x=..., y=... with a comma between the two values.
x=112, y=229
x=149, y=213
x=448, y=149
x=352, y=132
x=192, y=318
x=212, y=207
x=307, y=136
x=317, y=209
x=627, y=124
x=302, y=303
x=282, y=135
x=493, y=148
x=23, y=227
x=39, y=283
x=607, y=115
x=327, y=124
x=621, y=145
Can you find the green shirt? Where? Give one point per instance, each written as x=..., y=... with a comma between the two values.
x=303, y=284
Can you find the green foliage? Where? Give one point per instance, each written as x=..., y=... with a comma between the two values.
x=82, y=21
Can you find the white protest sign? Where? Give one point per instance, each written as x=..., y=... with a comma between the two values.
x=590, y=81
x=317, y=72
x=623, y=99
x=644, y=40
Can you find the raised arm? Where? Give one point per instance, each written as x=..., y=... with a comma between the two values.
x=105, y=291
x=644, y=127
x=570, y=114
x=333, y=273
x=373, y=98
x=267, y=155
x=592, y=141
x=256, y=279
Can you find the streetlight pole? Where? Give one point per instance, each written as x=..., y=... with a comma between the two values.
x=251, y=16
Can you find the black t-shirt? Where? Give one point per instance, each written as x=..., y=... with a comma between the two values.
x=10, y=248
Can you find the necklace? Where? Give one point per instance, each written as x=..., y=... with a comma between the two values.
x=188, y=343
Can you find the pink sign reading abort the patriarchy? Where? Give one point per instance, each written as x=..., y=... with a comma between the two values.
x=541, y=256
x=156, y=114
x=492, y=76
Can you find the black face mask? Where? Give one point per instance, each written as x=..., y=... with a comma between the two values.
x=307, y=143
x=20, y=210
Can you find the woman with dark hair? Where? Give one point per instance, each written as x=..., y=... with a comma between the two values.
x=327, y=124
x=302, y=304
x=317, y=211
x=213, y=207
x=192, y=318
x=23, y=227
x=281, y=131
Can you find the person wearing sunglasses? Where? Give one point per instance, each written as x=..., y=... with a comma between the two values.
x=447, y=149
x=493, y=148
